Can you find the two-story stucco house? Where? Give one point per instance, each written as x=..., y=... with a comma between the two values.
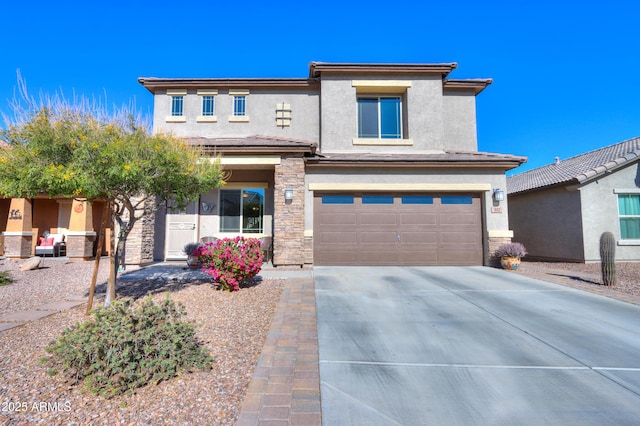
x=357, y=164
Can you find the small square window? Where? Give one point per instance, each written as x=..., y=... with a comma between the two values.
x=177, y=105
x=239, y=105
x=208, y=106
x=337, y=199
x=456, y=199
x=377, y=199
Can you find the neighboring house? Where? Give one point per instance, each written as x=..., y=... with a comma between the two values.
x=560, y=210
x=357, y=164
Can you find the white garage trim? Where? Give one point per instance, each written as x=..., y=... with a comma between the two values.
x=403, y=187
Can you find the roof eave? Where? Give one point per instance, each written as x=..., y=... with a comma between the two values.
x=317, y=68
x=476, y=85
x=152, y=83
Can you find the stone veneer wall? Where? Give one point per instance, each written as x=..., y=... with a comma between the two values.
x=288, y=227
x=18, y=246
x=139, y=248
x=494, y=243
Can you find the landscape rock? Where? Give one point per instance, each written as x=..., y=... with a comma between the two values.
x=31, y=263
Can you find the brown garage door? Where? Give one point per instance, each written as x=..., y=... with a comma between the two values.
x=397, y=229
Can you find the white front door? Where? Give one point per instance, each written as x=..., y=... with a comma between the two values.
x=182, y=228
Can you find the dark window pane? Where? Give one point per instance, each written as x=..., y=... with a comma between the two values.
x=337, y=199
x=377, y=199
x=417, y=199
x=367, y=118
x=252, y=211
x=230, y=210
x=456, y=199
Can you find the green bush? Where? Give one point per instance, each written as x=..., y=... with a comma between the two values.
x=5, y=278
x=125, y=347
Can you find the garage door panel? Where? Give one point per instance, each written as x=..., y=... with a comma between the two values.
x=338, y=218
x=339, y=257
x=419, y=237
x=378, y=218
x=418, y=218
x=379, y=237
x=456, y=218
x=432, y=230
x=339, y=238
x=420, y=258
x=461, y=238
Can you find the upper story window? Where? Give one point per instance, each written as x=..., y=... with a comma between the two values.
x=176, y=114
x=208, y=105
x=177, y=106
x=380, y=117
x=239, y=105
x=382, y=112
x=629, y=214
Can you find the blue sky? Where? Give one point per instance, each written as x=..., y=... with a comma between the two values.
x=565, y=72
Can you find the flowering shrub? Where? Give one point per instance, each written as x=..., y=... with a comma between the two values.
x=511, y=250
x=231, y=261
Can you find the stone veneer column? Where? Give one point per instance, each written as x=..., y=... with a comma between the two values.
x=18, y=237
x=494, y=243
x=288, y=216
x=139, y=248
x=81, y=236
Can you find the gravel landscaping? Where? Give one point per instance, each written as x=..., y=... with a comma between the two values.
x=233, y=326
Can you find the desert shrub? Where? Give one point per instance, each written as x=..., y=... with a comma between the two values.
x=125, y=347
x=231, y=261
x=5, y=278
x=511, y=250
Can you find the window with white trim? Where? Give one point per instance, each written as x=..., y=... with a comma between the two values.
x=629, y=216
x=177, y=106
x=239, y=105
x=242, y=210
x=208, y=106
x=379, y=117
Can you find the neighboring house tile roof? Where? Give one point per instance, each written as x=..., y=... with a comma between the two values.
x=576, y=169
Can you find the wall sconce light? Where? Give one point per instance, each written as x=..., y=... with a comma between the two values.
x=288, y=193
x=498, y=194
x=206, y=207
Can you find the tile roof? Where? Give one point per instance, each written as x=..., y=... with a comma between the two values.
x=440, y=157
x=577, y=169
x=253, y=143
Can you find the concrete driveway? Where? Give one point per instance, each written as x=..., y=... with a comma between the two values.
x=472, y=346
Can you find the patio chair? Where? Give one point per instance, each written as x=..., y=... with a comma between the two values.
x=53, y=245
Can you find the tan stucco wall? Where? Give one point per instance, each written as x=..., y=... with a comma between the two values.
x=261, y=110
x=548, y=223
x=600, y=212
x=459, y=112
x=422, y=111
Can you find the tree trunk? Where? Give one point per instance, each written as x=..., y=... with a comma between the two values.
x=96, y=265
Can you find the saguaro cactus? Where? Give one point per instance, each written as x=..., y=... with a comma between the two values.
x=608, y=258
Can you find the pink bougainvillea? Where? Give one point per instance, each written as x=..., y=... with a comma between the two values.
x=231, y=261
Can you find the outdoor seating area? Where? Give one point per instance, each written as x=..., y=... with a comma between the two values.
x=51, y=245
